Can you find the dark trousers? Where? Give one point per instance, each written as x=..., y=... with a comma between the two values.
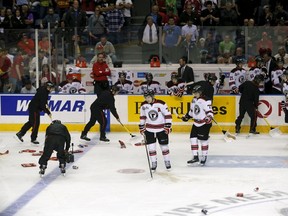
x=34, y=122
x=96, y=115
x=251, y=110
x=53, y=143
x=201, y=132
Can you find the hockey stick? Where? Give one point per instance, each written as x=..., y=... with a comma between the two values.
x=132, y=135
x=147, y=154
x=189, y=83
x=226, y=133
x=50, y=116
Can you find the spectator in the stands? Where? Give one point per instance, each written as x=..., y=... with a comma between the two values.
x=125, y=6
x=189, y=49
x=148, y=39
x=170, y=14
x=156, y=17
x=222, y=4
x=28, y=17
x=62, y=6
x=106, y=47
x=239, y=55
x=47, y=74
x=52, y=18
x=106, y=58
x=27, y=45
x=114, y=21
x=226, y=50
x=5, y=67
x=280, y=14
x=266, y=17
x=209, y=16
x=42, y=59
x=282, y=54
x=28, y=87
x=96, y=25
x=196, y=6
x=171, y=39
x=189, y=14
x=240, y=39
x=45, y=45
x=17, y=72
x=265, y=42
x=20, y=3
x=229, y=16
x=74, y=18
x=88, y=6
x=104, y=6
x=171, y=4
x=247, y=9
x=212, y=48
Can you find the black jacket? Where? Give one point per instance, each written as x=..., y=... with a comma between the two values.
x=40, y=99
x=208, y=90
x=106, y=100
x=188, y=75
x=249, y=93
x=60, y=130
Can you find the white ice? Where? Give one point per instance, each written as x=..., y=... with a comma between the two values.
x=98, y=188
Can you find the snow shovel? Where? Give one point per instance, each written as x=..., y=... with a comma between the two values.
x=273, y=131
x=226, y=133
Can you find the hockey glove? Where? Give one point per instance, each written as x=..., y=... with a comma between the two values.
x=208, y=119
x=180, y=92
x=167, y=128
x=185, y=118
x=235, y=90
x=142, y=129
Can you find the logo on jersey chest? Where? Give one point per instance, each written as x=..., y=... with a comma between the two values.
x=196, y=109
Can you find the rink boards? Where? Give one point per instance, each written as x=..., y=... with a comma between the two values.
x=74, y=111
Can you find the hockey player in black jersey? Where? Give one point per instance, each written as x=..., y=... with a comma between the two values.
x=37, y=104
x=105, y=101
x=56, y=136
x=249, y=102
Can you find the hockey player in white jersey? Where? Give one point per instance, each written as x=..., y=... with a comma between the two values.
x=149, y=84
x=237, y=76
x=276, y=74
x=71, y=86
x=155, y=124
x=202, y=114
x=125, y=86
x=259, y=69
x=176, y=86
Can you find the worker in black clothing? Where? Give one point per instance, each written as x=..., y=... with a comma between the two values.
x=249, y=102
x=36, y=105
x=207, y=86
x=57, y=135
x=105, y=101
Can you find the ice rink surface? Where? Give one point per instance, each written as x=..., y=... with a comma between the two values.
x=111, y=181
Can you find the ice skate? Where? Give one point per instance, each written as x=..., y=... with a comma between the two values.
x=237, y=129
x=194, y=160
x=84, y=137
x=203, y=161
x=62, y=169
x=19, y=136
x=42, y=170
x=254, y=132
x=168, y=165
x=35, y=142
x=154, y=166
x=104, y=139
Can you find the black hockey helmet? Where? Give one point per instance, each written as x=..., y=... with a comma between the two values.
x=258, y=78
x=122, y=74
x=197, y=88
x=211, y=77
x=149, y=92
x=239, y=61
x=50, y=84
x=56, y=122
x=149, y=76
